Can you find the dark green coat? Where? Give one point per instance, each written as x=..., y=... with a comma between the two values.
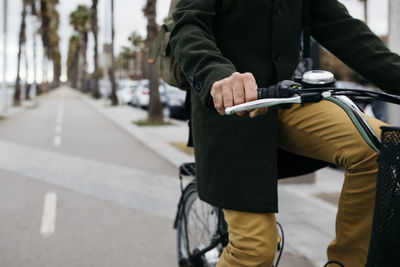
x=236, y=156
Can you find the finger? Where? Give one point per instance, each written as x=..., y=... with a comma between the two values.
x=238, y=90
x=227, y=95
x=216, y=93
x=250, y=87
x=257, y=112
x=241, y=113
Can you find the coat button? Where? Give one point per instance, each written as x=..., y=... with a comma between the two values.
x=277, y=11
x=198, y=85
x=277, y=58
x=191, y=80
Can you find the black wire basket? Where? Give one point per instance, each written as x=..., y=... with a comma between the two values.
x=384, y=250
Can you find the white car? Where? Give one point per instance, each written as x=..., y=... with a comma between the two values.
x=125, y=91
x=141, y=96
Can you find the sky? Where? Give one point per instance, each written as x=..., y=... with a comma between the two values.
x=128, y=18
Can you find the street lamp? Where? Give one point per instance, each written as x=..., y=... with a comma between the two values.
x=3, y=105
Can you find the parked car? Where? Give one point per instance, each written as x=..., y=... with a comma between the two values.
x=176, y=103
x=141, y=96
x=125, y=91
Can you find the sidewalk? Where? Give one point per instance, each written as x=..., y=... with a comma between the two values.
x=307, y=219
x=12, y=110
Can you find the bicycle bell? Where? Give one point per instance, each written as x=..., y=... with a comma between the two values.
x=318, y=78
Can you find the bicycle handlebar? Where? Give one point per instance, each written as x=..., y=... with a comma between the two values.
x=290, y=92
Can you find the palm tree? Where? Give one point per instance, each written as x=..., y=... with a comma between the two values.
x=73, y=60
x=80, y=20
x=155, y=106
x=33, y=14
x=22, y=40
x=34, y=32
x=50, y=21
x=95, y=29
x=114, y=99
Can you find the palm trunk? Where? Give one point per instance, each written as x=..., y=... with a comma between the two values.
x=56, y=70
x=22, y=38
x=155, y=106
x=114, y=100
x=96, y=91
x=45, y=74
x=34, y=55
x=27, y=86
x=84, y=63
x=75, y=69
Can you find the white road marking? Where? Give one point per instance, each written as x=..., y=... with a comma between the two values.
x=58, y=129
x=48, y=224
x=57, y=140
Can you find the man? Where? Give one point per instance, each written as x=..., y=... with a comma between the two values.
x=227, y=49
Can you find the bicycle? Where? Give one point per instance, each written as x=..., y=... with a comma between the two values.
x=201, y=229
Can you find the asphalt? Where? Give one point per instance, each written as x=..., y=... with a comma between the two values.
x=115, y=198
x=118, y=188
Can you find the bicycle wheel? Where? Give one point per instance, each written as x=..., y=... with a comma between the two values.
x=197, y=226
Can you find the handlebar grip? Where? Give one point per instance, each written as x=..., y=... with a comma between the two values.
x=284, y=88
x=269, y=92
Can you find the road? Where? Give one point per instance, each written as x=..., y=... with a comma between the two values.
x=78, y=191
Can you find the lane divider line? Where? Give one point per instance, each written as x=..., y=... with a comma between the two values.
x=57, y=140
x=58, y=129
x=48, y=224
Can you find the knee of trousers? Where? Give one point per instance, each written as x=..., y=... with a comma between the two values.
x=252, y=239
x=252, y=252
x=360, y=158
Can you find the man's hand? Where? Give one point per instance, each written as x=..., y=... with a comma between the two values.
x=234, y=90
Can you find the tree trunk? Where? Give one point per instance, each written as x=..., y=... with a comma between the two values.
x=45, y=74
x=114, y=100
x=84, y=63
x=56, y=71
x=27, y=85
x=155, y=106
x=95, y=30
x=22, y=39
x=34, y=54
x=75, y=69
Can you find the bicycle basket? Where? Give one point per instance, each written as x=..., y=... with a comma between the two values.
x=385, y=239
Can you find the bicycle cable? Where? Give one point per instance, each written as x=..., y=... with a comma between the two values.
x=282, y=244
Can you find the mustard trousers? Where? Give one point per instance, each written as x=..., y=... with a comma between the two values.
x=323, y=131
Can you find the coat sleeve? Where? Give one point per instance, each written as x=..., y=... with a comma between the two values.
x=194, y=46
x=354, y=43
